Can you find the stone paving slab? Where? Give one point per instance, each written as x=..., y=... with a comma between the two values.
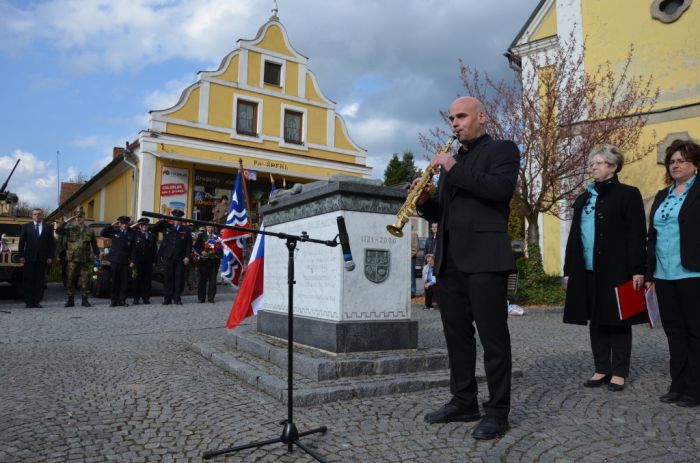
x=81, y=385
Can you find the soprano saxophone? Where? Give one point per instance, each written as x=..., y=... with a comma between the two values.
x=409, y=206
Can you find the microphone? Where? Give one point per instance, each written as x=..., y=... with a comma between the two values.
x=345, y=244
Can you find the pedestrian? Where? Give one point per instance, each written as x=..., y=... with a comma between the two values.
x=144, y=255
x=208, y=250
x=220, y=210
x=606, y=248
x=37, y=248
x=429, y=281
x=472, y=263
x=175, y=250
x=414, y=255
x=80, y=253
x=431, y=241
x=673, y=265
x=119, y=256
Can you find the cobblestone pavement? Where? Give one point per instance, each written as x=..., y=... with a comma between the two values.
x=100, y=384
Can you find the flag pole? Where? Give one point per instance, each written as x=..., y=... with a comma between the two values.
x=245, y=186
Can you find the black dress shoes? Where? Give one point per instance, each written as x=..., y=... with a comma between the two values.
x=688, y=401
x=670, y=397
x=490, y=428
x=451, y=412
x=615, y=387
x=596, y=382
x=178, y=302
x=167, y=302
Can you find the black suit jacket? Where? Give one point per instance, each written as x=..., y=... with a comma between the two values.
x=472, y=207
x=37, y=248
x=689, y=225
x=122, y=243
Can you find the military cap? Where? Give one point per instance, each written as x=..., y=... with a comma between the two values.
x=177, y=213
x=143, y=221
x=79, y=212
x=124, y=219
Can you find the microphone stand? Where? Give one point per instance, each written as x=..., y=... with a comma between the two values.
x=290, y=433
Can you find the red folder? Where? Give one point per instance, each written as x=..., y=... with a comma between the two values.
x=630, y=302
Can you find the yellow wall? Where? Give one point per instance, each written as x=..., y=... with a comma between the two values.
x=292, y=79
x=548, y=27
x=190, y=110
x=221, y=106
x=96, y=206
x=551, y=251
x=274, y=41
x=118, y=196
x=230, y=74
x=254, y=77
x=312, y=92
x=668, y=52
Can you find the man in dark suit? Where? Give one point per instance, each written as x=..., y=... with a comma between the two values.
x=37, y=246
x=175, y=250
x=119, y=257
x=473, y=260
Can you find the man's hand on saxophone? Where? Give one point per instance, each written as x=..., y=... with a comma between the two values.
x=425, y=194
x=443, y=159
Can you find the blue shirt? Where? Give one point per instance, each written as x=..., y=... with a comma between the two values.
x=668, y=237
x=588, y=226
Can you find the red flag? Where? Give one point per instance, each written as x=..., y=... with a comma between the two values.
x=250, y=297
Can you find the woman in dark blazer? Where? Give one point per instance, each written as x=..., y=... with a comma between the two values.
x=605, y=249
x=674, y=268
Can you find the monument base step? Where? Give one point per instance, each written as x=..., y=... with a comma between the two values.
x=319, y=365
x=261, y=364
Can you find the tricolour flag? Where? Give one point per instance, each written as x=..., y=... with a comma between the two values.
x=234, y=240
x=250, y=297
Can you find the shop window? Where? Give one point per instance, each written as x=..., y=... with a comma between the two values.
x=246, y=117
x=272, y=73
x=292, y=126
x=669, y=10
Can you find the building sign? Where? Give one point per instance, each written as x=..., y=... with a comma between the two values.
x=173, y=189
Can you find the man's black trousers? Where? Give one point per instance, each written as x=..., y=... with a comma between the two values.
x=476, y=298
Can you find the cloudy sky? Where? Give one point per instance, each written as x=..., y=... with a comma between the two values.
x=79, y=76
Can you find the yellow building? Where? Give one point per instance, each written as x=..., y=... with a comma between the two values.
x=665, y=38
x=262, y=106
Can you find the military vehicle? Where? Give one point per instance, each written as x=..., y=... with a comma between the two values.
x=10, y=228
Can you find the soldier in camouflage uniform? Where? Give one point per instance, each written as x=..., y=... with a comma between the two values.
x=81, y=250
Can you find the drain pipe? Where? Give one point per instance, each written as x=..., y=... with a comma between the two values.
x=127, y=151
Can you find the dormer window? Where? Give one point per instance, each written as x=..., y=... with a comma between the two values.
x=272, y=73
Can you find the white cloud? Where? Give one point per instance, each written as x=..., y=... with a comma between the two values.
x=97, y=165
x=90, y=141
x=123, y=34
x=350, y=110
x=169, y=95
x=34, y=181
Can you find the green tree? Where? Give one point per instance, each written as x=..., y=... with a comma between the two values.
x=394, y=172
x=401, y=170
x=409, y=166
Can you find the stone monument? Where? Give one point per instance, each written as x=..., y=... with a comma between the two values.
x=335, y=310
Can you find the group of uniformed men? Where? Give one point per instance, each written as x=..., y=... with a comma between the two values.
x=136, y=249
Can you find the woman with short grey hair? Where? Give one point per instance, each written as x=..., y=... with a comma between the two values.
x=610, y=154
x=606, y=248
